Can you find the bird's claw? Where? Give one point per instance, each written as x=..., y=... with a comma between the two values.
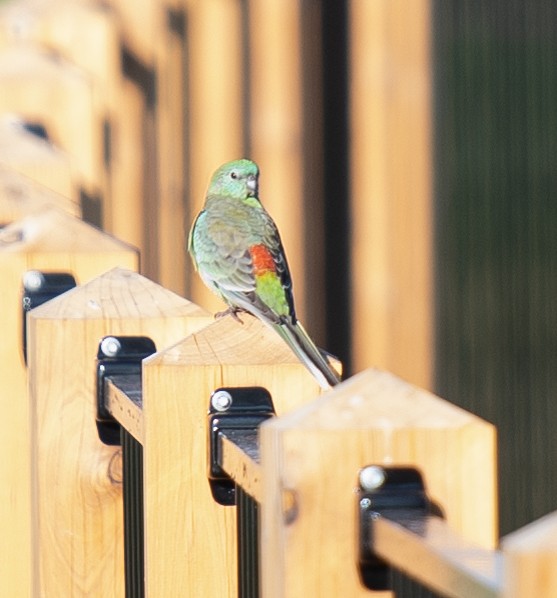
x=231, y=311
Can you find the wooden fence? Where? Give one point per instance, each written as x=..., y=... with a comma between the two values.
x=213, y=466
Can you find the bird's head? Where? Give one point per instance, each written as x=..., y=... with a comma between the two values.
x=237, y=179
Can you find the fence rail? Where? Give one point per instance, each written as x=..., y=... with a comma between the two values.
x=213, y=465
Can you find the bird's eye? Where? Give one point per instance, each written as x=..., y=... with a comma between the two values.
x=233, y=175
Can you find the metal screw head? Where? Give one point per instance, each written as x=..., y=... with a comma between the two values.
x=33, y=280
x=365, y=503
x=221, y=400
x=372, y=477
x=110, y=346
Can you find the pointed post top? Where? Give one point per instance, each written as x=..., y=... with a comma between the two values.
x=120, y=294
x=53, y=230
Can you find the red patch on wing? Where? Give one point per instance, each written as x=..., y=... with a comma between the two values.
x=262, y=260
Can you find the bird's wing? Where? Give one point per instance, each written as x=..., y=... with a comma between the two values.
x=218, y=254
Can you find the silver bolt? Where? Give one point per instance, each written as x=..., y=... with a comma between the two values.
x=372, y=477
x=365, y=503
x=33, y=280
x=221, y=400
x=110, y=346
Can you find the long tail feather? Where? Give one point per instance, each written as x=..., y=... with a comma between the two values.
x=304, y=348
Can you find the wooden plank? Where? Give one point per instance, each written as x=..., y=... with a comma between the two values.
x=153, y=33
x=194, y=554
x=391, y=181
x=20, y=196
x=77, y=529
x=241, y=467
x=170, y=122
x=276, y=124
x=310, y=461
x=35, y=158
x=51, y=240
x=530, y=553
x=215, y=104
x=432, y=554
x=46, y=89
x=125, y=409
x=88, y=35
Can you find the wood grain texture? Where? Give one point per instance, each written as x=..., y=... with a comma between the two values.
x=35, y=158
x=77, y=528
x=48, y=241
x=310, y=462
x=194, y=554
x=391, y=186
x=530, y=565
x=21, y=196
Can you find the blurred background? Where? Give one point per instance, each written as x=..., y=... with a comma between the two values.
x=407, y=153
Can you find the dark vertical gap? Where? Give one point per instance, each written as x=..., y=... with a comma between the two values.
x=336, y=180
x=247, y=518
x=496, y=254
x=312, y=155
x=132, y=465
x=91, y=208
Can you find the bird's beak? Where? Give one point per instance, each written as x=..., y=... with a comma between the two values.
x=252, y=183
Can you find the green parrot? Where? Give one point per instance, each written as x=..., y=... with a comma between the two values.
x=236, y=248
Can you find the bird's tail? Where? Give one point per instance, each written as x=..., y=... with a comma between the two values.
x=304, y=348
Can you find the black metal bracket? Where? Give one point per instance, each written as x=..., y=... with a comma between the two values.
x=38, y=288
x=239, y=412
x=395, y=493
x=117, y=355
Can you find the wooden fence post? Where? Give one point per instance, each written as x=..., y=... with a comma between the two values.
x=47, y=241
x=391, y=186
x=53, y=92
x=154, y=35
x=189, y=538
x=310, y=462
x=216, y=69
x=89, y=35
x=530, y=565
x=36, y=158
x=20, y=196
x=77, y=504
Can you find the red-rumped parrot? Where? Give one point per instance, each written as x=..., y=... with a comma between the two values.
x=236, y=248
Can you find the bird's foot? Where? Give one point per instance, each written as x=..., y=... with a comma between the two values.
x=231, y=311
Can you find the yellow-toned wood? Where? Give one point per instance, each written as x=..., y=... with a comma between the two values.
x=141, y=22
x=50, y=240
x=216, y=121
x=88, y=35
x=35, y=158
x=310, y=461
x=277, y=136
x=170, y=52
x=189, y=539
x=45, y=88
x=241, y=468
x=530, y=565
x=154, y=33
x=20, y=196
x=78, y=519
x=391, y=183
x=126, y=412
x=436, y=557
